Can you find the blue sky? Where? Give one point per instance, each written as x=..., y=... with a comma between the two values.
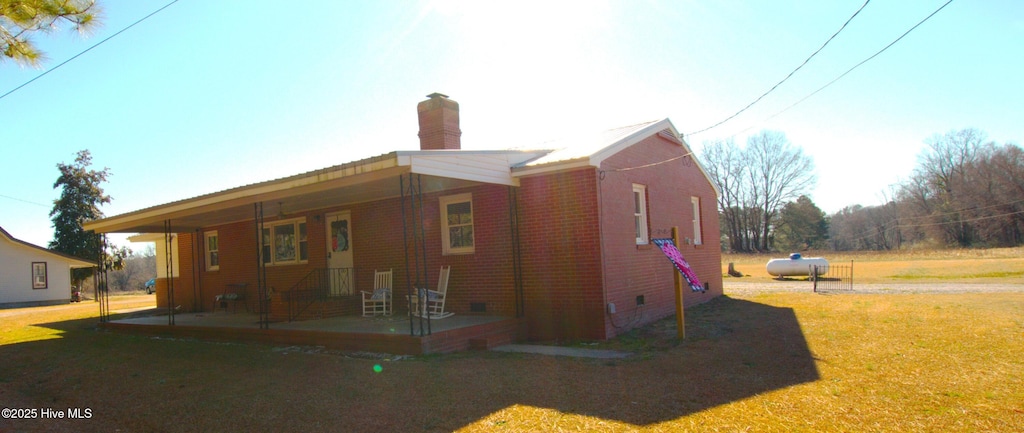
x=209, y=95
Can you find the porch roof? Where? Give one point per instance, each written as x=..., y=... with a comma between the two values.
x=359, y=181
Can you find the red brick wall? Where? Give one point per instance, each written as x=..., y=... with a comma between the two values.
x=561, y=254
x=632, y=270
x=578, y=247
x=579, y=243
x=197, y=285
x=485, y=276
x=377, y=238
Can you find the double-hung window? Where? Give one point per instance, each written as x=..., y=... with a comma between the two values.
x=698, y=237
x=640, y=214
x=457, y=224
x=212, y=251
x=40, y=280
x=285, y=242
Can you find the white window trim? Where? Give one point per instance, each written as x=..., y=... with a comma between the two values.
x=446, y=247
x=40, y=280
x=206, y=247
x=698, y=235
x=640, y=218
x=298, y=243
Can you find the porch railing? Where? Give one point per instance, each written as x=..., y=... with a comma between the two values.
x=318, y=286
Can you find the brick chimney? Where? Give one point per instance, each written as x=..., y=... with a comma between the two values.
x=439, y=123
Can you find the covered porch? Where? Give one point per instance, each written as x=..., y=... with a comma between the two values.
x=297, y=252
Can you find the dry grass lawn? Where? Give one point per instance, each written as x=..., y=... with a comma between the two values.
x=995, y=266
x=752, y=361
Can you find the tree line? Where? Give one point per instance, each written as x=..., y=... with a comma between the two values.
x=964, y=192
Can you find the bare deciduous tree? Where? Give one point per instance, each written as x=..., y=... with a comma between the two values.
x=942, y=183
x=778, y=172
x=724, y=162
x=755, y=182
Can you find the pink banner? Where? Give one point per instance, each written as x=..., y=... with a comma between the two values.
x=669, y=248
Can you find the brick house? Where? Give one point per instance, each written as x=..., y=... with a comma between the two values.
x=552, y=236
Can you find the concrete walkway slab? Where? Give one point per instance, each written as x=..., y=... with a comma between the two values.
x=562, y=351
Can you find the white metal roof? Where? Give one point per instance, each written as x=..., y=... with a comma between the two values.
x=583, y=150
x=354, y=182
x=377, y=177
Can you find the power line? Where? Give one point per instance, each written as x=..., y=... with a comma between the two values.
x=901, y=223
x=88, y=49
x=652, y=164
x=875, y=231
x=24, y=201
x=790, y=74
x=858, y=64
x=822, y=87
x=944, y=213
x=962, y=210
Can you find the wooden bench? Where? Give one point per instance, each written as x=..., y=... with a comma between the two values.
x=233, y=294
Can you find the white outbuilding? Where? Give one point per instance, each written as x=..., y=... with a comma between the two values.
x=31, y=275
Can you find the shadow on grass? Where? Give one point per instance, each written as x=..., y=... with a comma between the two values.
x=734, y=349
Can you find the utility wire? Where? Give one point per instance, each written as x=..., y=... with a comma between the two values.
x=23, y=200
x=854, y=66
x=652, y=164
x=88, y=49
x=905, y=222
x=790, y=74
x=874, y=231
x=960, y=211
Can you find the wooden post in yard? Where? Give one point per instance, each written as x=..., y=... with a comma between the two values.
x=680, y=322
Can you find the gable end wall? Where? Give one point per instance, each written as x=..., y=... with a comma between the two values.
x=643, y=270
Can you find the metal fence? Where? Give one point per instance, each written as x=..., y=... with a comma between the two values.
x=832, y=278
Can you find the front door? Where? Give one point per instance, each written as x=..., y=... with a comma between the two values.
x=339, y=253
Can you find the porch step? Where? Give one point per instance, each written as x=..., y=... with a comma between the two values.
x=332, y=307
x=479, y=344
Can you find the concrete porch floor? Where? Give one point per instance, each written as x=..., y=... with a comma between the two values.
x=388, y=334
x=377, y=324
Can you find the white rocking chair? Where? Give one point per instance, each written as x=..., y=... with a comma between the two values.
x=378, y=302
x=430, y=303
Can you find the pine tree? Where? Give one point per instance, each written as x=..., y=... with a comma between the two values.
x=802, y=225
x=19, y=19
x=79, y=201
